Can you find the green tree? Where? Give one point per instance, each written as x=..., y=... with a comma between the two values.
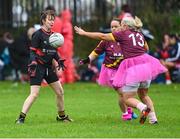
x=159, y=16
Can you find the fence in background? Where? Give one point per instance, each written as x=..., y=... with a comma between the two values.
x=16, y=13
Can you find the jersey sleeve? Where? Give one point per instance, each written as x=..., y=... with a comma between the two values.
x=35, y=42
x=112, y=37
x=56, y=56
x=117, y=35
x=100, y=48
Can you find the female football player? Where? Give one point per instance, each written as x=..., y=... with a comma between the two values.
x=113, y=57
x=40, y=67
x=136, y=70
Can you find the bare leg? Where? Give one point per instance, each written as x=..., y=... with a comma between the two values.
x=31, y=98
x=57, y=87
x=142, y=93
x=133, y=102
x=121, y=102
x=28, y=103
x=127, y=111
x=130, y=100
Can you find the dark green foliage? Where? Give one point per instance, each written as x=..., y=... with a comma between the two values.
x=83, y=45
x=159, y=16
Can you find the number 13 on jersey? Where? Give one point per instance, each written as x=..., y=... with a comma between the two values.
x=137, y=39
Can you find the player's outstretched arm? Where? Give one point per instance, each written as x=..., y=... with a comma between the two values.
x=89, y=59
x=93, y=35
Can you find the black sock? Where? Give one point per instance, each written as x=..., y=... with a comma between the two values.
x=22, y=115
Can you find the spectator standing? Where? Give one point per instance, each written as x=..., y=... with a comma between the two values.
x=8, y=55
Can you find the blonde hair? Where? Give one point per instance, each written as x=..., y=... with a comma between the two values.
x=133, y=23
x=129, y=21
x=138, y=22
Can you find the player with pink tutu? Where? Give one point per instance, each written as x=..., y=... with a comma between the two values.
x=113, y=57
x=136, y=70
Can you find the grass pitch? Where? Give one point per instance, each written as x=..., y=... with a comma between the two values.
x=94, y=110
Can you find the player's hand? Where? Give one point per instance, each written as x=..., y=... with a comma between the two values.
x=84, y=61
x=79, y=30
x=32, y=68
x=61, y=64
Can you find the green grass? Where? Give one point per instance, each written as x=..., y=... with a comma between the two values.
x=94, y=110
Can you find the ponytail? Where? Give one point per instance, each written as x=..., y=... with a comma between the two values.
x=138, y=22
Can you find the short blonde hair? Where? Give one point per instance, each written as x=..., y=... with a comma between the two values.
x=134, y=23
x=129, y=21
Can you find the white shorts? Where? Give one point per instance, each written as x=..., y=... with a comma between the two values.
x=134, y=87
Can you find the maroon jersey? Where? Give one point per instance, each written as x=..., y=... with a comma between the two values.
x=113, y=54
x=132, y=42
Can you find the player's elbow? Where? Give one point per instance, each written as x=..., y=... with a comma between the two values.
x=104, y=37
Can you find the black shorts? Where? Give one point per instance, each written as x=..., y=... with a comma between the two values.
x=43, y=72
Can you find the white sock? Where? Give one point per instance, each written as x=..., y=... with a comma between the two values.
x=125, y=113
x=140, y=106
x=152, y=117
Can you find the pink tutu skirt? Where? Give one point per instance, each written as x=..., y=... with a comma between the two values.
x=106, y=76
x=137, y=69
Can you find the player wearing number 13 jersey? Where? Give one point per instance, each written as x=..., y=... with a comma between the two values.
x=137, y=66
x=136, y=70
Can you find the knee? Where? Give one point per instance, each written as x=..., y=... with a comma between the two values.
x=125, y=97
x=60, y=92
x=120, y=100
x=143, y=97
x=34, y=95
x=142, y=93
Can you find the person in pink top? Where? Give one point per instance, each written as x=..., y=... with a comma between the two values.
x=113, y=57
x=136, y=70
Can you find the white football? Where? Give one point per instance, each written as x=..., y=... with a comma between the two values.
x=56, y=40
